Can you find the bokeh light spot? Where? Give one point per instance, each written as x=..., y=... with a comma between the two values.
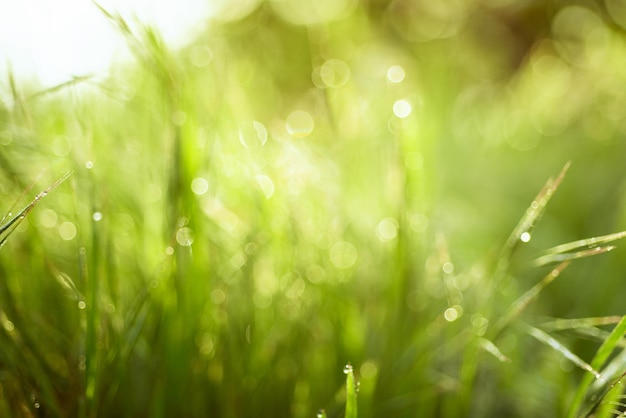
x=395, y=74
x=387, y=229
x=300, y=124
x=368, y=369
x=67, y=230
x=48, y=218
x=185, y=236
x=334, y=73
x=402, y=108
x=343, y=254
x=200, y=56
x=199, y=186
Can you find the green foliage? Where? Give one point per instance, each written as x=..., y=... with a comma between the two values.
x=303, y=188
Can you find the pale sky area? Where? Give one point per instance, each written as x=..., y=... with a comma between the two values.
x=53, y=40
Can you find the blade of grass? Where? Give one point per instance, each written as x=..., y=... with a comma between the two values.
x=588, y=242
x=533, y=213
x=610, y=399
x=555, y=258
x=9, y=226
x=598, y=361
x=565, y=324
x=351, y=392
x=562, y=349
x=527, y=298
x=492, y=349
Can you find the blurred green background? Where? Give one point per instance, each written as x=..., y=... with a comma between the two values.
x=306, y=185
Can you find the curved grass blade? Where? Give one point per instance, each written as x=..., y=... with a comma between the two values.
x=556, y=345
x=603, y=353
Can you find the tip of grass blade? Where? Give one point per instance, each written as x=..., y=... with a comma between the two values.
x=9, y=226
x=532, y=214
x=589, y=246
x=351, y=392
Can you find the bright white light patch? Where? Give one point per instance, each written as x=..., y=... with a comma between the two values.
x=525, y=237
x=402, y=109
x=395, y=74
x=56, y=40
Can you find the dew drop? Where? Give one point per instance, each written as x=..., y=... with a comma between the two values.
x=347, y=369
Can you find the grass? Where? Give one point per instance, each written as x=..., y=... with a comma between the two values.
x=247, y=215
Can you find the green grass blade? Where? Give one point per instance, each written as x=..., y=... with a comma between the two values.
x=556, y=258
x=598, y=361
x=351, y=392
x=534, y=212
x=492, y=349
x=9, y=226
x=586, y=243
x=527, y=298
x=566, y=324
x=562, y=349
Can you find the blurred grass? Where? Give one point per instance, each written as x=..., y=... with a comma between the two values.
x=302, y=189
